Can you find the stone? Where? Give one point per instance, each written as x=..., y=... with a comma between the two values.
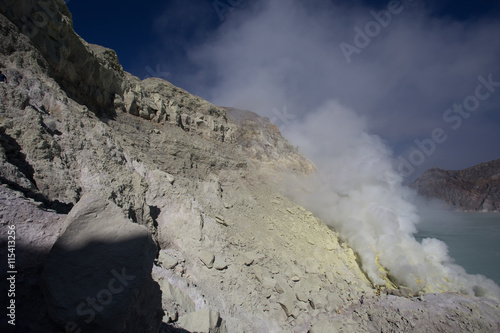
x=220, y=264
x=275, y=270
x=207, y=258
x=281, y=285
x=302, y=295
x=334, y=301
x=203, y=321
x=287, y=301
x=250, y=258
x=174, y=299
x=248, y=261
x=166, y=260
x=318, y=299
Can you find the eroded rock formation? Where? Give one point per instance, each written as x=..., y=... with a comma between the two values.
x=475, y=189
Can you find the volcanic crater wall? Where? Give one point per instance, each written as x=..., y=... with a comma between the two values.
x=139, y=206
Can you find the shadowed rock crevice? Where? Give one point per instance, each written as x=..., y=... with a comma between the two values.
x=12, y=153
x=166, y=328
x=19, y=174
x=55, y=205
x=154, y=212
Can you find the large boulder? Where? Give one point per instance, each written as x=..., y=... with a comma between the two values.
x=97, y=277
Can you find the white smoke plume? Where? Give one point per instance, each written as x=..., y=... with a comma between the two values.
x=357, y=192
x=285, y=55
x=273, y=55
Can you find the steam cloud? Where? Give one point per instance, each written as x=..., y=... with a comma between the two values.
x=274, y=54
x=357, y=192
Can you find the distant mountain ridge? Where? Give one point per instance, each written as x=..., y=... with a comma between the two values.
x=474, y=189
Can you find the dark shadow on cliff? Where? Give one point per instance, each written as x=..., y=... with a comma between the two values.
x=55, y=205
x=166, y=328
x=15, y=156
x=102, y=285
x=99, y=280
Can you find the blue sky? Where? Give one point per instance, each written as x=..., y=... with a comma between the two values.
x=142, y=32
x=138, y=30
x=285, y=59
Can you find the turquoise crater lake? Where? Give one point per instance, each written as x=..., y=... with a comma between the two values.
x=473, y=239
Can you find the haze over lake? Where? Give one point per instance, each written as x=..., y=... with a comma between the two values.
x=473, y=239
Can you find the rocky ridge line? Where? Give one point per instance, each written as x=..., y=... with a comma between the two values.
x=475, y=189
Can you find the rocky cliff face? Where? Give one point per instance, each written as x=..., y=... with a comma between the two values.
x=475, y=189
x=141, y=208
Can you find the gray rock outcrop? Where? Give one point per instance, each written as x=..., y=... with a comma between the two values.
x=475, y=189
x=203, y=321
